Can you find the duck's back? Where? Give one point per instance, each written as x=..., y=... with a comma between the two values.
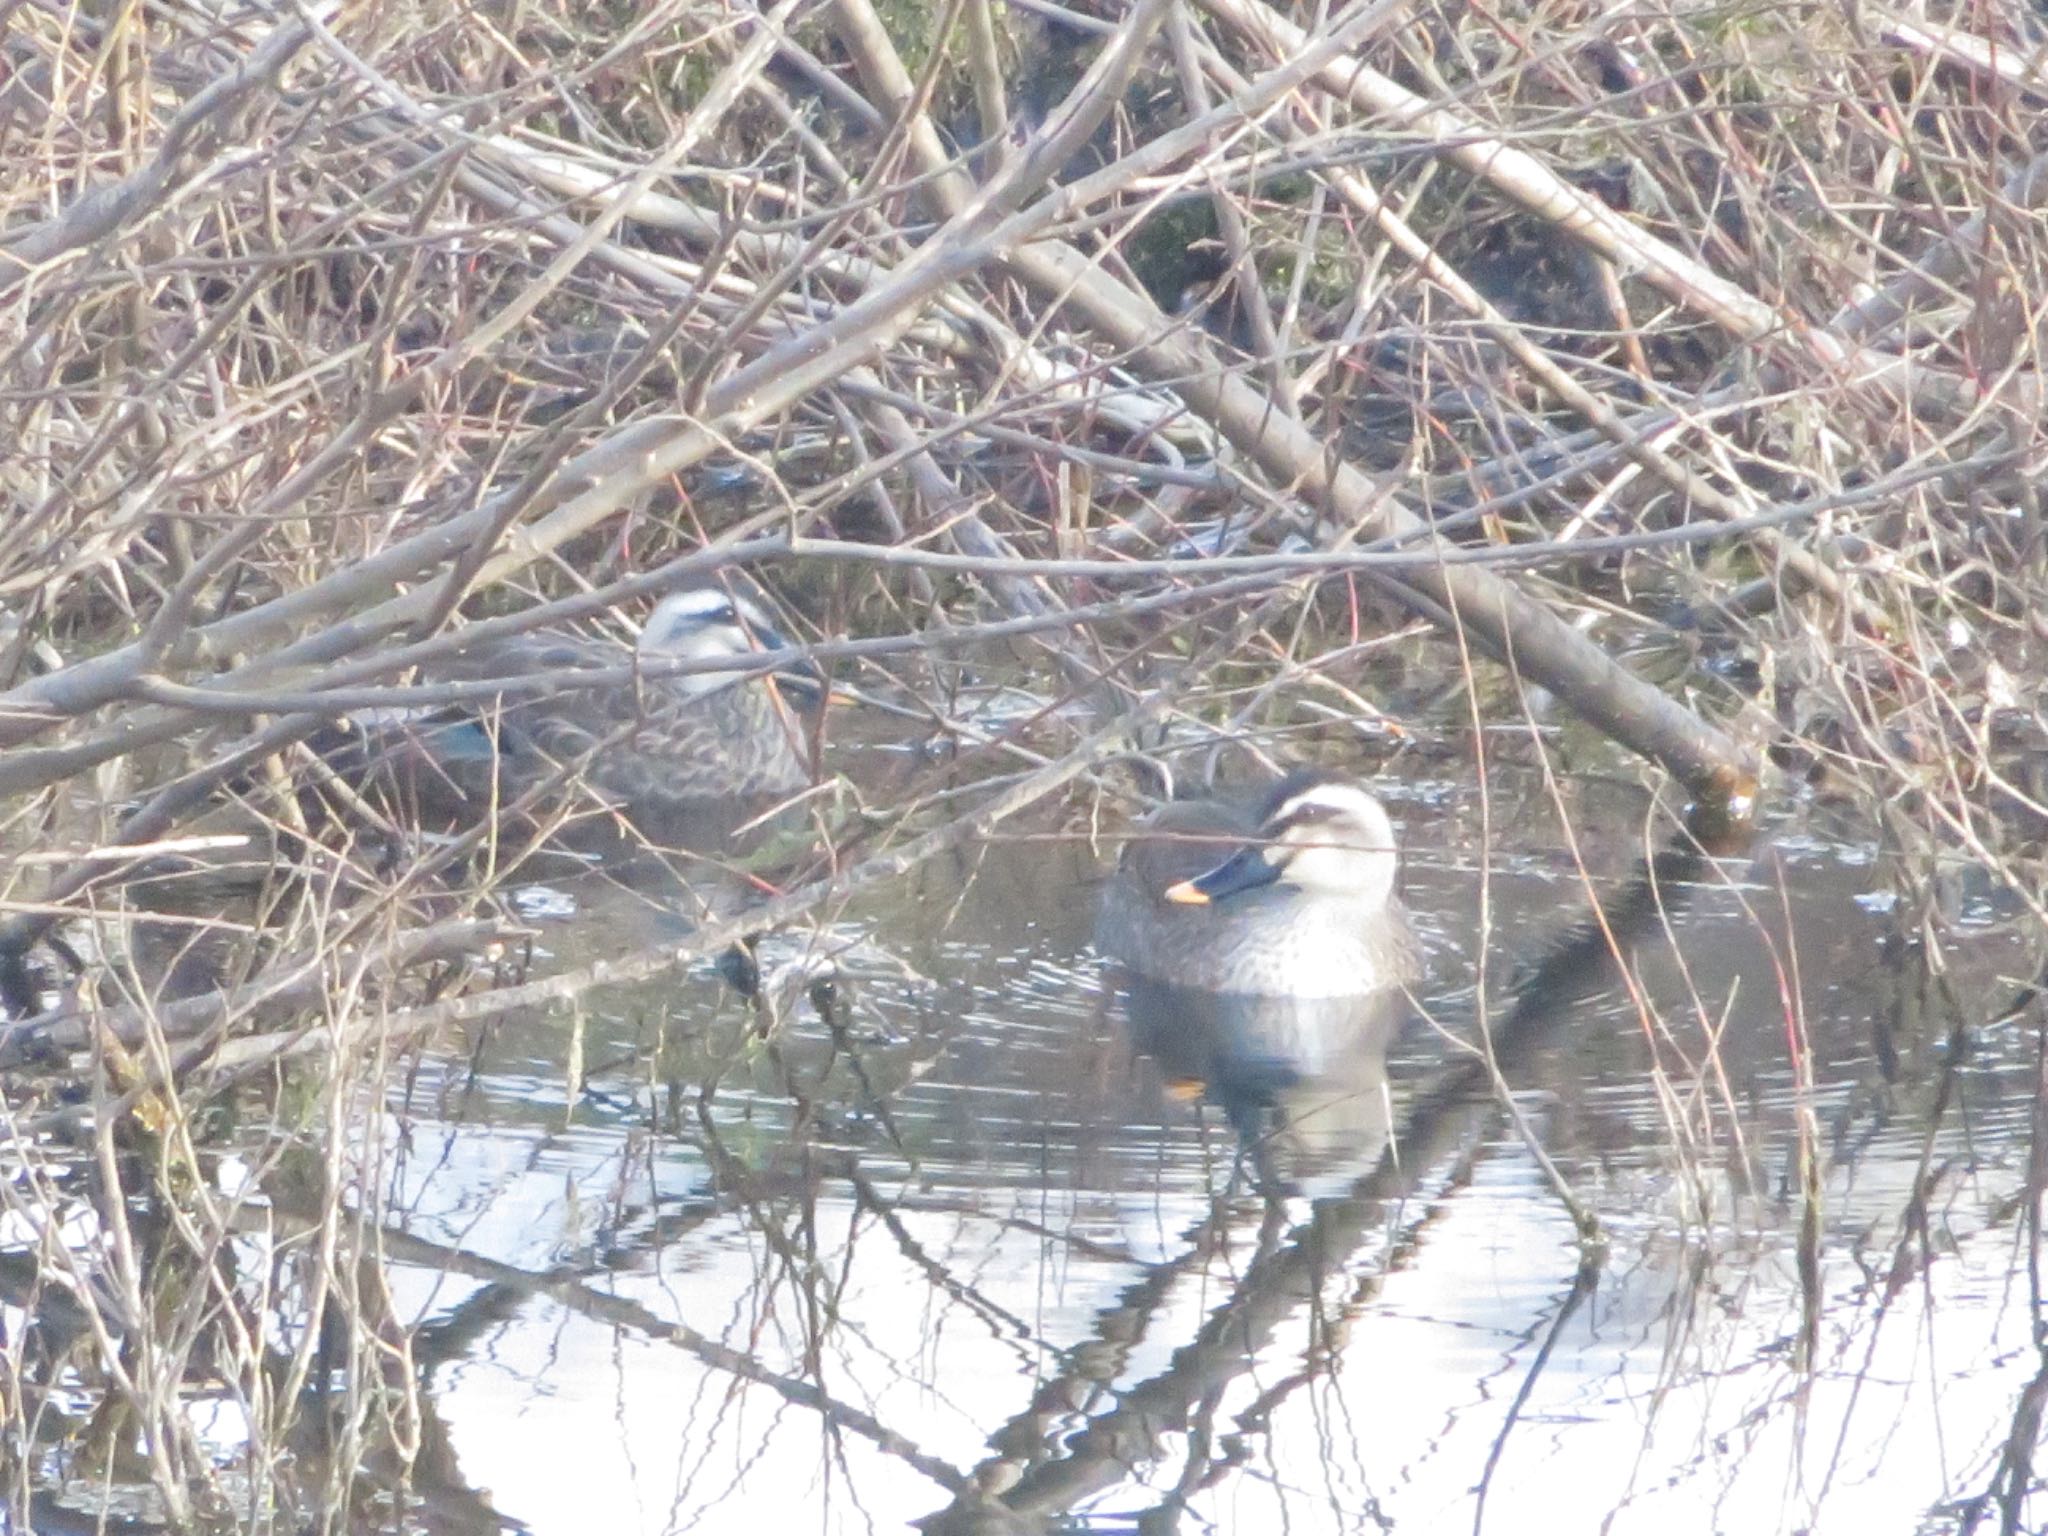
x=646, y=744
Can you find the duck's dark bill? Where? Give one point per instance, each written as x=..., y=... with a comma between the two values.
x=805, y=683
x=1242, y=871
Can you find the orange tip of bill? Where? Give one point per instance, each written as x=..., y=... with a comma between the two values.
x=1185, y=1090
x=1188, y=894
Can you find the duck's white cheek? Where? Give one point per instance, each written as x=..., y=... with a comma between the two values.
x=1317, y=869
x=702, y=649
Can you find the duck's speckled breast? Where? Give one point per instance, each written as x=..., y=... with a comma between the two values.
x=653, y=746
x=738, y=742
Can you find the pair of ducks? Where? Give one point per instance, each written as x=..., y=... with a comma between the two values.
x=1290, y=894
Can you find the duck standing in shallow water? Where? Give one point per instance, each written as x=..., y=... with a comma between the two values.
x=657, y=744
x=1288, y=895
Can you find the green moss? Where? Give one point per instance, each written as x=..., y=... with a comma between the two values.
x=1167, y=252
x=910, y=25
x=1330, y=274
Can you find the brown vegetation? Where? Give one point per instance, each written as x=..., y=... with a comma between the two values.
x=1188, y=375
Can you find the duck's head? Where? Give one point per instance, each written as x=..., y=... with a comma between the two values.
x=1316, y=832
x=708, y=624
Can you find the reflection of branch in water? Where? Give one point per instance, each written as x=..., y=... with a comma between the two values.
x=1442, y=1121
x=2014, y=1479
x=1002, y=1324
x=1583, y=1281
x=573, y=1294
x=1914, y=1252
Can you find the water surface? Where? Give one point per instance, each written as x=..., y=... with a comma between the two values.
x=1736, y=1242
x=972, y=1260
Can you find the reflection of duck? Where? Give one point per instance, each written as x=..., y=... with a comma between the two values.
x=1303, y=1079
x=1291, y=895
x=650, y=744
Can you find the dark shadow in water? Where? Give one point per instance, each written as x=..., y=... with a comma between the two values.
x=1044, y=1475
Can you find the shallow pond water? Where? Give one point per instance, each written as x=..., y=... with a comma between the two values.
x=1743, y=1244
x=1748, y=1255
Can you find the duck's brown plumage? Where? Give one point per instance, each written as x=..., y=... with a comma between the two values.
x=648, y=741
x=653, y=744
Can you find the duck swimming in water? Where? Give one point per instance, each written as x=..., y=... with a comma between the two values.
x=1288, y=895
x=656, y=742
